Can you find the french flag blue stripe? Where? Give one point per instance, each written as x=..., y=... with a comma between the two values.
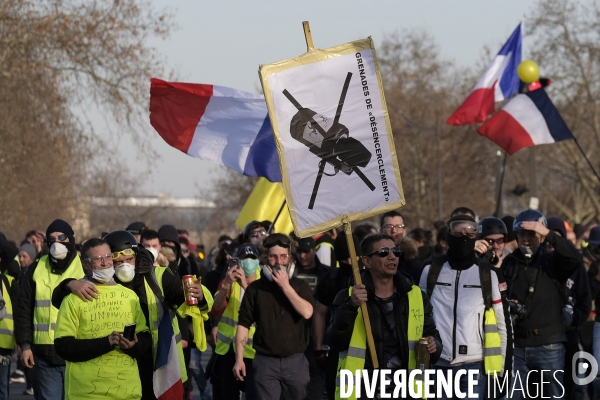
x=509, y=82
x=556, y=124
x=262, y=158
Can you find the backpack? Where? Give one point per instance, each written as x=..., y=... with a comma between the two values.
x=485, y=277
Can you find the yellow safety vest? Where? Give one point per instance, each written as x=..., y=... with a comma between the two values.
x=228, y=324
x=492, y=351
x=7, y=325
x=44, y=313
x=354, y=358
x=154, y=314
x=113, y=375
x=337, y=263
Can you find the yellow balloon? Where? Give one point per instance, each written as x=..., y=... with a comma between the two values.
x=528, y=71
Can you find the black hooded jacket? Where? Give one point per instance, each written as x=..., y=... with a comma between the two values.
x=339, y=331
x=547, y=272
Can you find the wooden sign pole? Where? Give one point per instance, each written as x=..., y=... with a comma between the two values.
x=358, y=281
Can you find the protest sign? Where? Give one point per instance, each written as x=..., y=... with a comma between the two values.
x=333, y=136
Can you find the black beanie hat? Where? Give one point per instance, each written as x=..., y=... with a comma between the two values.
x=168, y=232
x=340, y=246
x=58, y=225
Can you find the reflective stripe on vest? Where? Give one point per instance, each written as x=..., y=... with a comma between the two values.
x=7, y=325
x=155, y=312
x=44, y=313
x=354, y=358
x=337, y=263
x=492, y=351
x=228, y=325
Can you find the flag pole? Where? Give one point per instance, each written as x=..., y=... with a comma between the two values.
x=276, y=218
x=586, y=158
x=358, y=281
x=501, y=183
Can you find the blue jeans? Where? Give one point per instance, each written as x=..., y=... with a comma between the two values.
x=547, y=357
x=197, y=372
x=4, y=380
x=478, y=389
x=49, y=378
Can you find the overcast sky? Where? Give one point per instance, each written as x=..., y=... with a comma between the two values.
x=223, y=43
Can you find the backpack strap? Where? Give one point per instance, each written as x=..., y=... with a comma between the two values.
x=485, y=277
x=434, y=273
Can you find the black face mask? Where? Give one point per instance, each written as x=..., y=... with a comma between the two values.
x=461, y=251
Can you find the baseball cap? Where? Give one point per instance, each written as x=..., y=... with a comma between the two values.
x=246, y=250
x=305, y=244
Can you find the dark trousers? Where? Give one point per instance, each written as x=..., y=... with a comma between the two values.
x=274, y=374
x=230, y=387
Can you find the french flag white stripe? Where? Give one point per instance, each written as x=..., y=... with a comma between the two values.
x=228, y=127
x=525, y=112
x=493, y=74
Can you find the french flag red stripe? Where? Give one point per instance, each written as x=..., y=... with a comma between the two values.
x=506, y=132
x=476, y=107
x=176, y=109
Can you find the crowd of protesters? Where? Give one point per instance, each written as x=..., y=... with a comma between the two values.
x=280, y=315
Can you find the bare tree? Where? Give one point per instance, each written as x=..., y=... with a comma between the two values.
x=54, y=55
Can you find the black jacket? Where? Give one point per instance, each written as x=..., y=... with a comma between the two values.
x=339, y=331
x=23, y=313
x=543, y=323
x=595, y=286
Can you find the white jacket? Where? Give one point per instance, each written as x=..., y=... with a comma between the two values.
x=458, y=311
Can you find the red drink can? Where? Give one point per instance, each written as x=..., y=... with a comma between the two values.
x=186, y=281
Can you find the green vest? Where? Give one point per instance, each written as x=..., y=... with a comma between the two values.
x=44, y=313
x=113, y=375
x=7, y=325
x=155, y=312
x=354, y=358
x=228, y=325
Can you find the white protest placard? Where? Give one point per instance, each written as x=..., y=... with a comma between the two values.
x=333, y=136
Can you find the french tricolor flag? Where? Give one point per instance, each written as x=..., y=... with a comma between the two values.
x=528, y=119
x=217, y=124
x=499, y=82
x=167, y=373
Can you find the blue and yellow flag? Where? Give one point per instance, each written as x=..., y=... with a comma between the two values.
x=263, y=204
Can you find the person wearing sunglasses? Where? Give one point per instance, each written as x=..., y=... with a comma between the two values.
x=280, y=305
x=491, y=237
x=467, y=308
x=89, y=336
x=388, y=293
x=254, y=233
x=35, y=318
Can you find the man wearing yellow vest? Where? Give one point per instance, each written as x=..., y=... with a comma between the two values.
x=243, y=271
x=9, y=288
x=468, y=310
x=101, y=361
x=389, y=294
x=35, y=317
x=156, y=287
